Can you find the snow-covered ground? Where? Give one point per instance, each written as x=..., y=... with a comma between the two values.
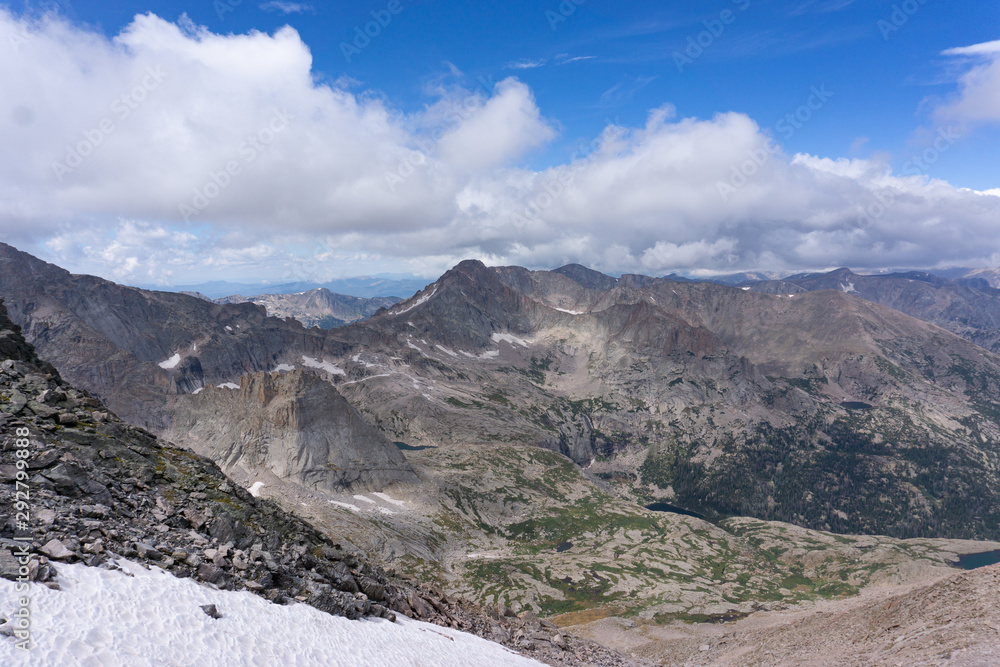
x=510, y=338
x=422, y=300
x=309, y=362
x=140, y=618
x=171, y=362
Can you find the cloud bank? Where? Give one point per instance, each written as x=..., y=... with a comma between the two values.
x=168, y=151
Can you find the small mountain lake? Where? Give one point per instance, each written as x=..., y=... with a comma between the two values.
x=411, y=448
x=974, y=561
x=856, y=405
x=667, y=507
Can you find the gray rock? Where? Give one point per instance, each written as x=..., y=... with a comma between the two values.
x=95, y=511
x=15, y=403
x=8, y=564
x=419, y=605
x=148, y=552
x=209, y=573
x=211, y=611
x=43, y=411
x=71, y=480
x=374, y=590
x=45, y=517
x=43, y=460
x=56, y=550
x=295, y=425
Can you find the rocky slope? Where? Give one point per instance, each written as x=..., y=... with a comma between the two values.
x=132, y=347
x=952, y=621
x=991, y=276
x=101, y=489
x=293, y=425
x=317, y=307
x=968, y=307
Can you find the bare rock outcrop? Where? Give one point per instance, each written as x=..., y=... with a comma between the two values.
x=294, y=425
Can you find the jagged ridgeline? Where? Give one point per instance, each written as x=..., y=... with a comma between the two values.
x=101, y=489
x=818, y=407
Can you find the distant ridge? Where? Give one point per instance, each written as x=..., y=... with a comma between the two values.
x=364, y=287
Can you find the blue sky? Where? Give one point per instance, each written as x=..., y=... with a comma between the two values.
x=883, y=79
x=764, y=63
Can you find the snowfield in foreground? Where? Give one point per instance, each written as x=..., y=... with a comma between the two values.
x=108, y=618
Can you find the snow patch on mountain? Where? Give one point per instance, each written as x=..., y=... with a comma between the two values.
x=171, y=362
x=149, y=618
x=422, y=300
x=309, y=362
x=510, y=338
x=390, y=499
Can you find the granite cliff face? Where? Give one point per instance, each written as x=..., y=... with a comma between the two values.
x=293, y=425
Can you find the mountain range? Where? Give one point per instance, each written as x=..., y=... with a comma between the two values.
x=111, y=499
x=968, y=306
x=317, y=307
x=365, y=287
x=500, y=431
x=818, y=408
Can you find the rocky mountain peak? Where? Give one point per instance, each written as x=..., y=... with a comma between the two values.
x=464, y=309
x=586, y=277
x=293, y=425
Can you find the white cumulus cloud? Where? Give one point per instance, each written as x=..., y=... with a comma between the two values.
x=978, y=99
x=169, y=152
